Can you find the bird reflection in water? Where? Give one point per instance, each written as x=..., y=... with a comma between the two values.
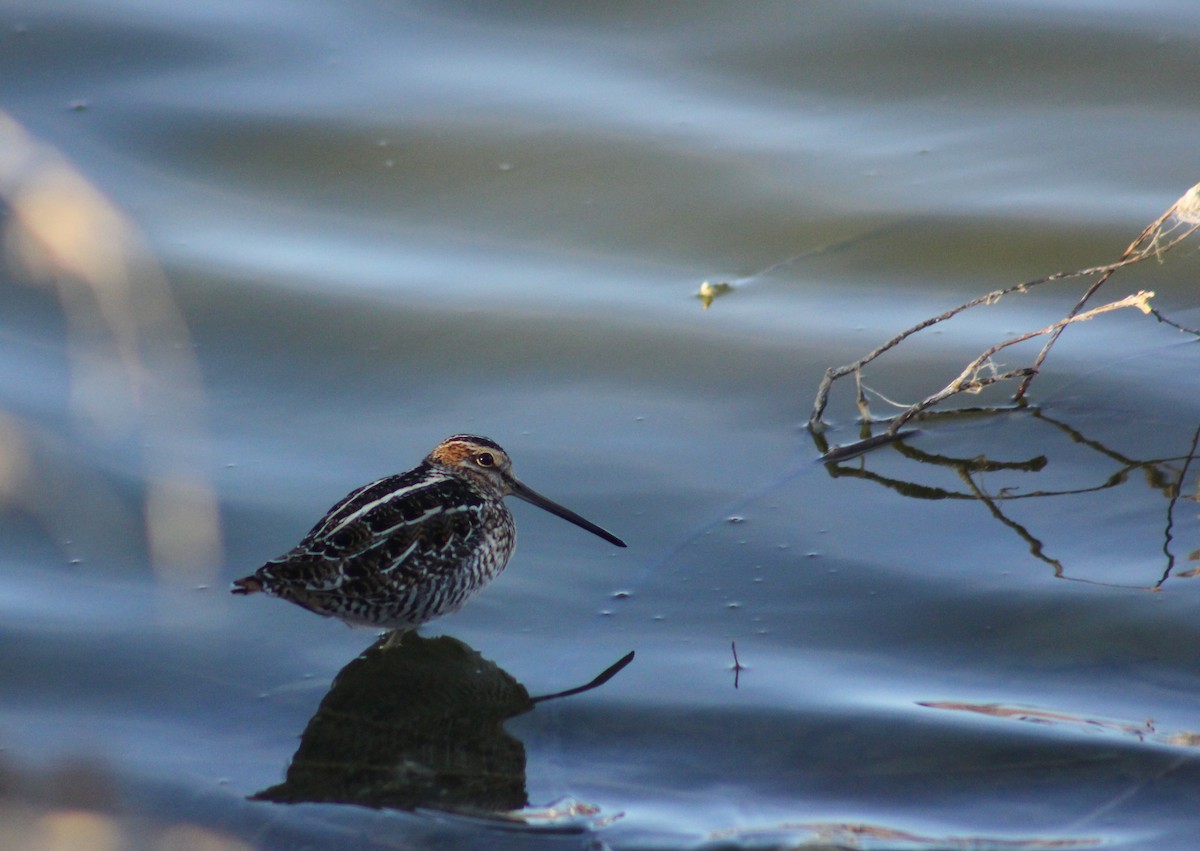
x=417, y=722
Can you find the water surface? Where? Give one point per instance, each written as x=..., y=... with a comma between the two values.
x=380, y=224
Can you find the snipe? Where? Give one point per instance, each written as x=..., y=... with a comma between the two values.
x=408, y=548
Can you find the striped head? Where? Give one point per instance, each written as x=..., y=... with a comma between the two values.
x=480, y=460
x=485, y=464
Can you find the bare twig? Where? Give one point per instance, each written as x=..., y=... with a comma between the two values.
x=1147, y=244
x=737, y=667
x=1175, y=225
x=834, y=373
x=1157, y=314
x=970, y=381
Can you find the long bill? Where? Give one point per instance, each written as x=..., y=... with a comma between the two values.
x=522, y=491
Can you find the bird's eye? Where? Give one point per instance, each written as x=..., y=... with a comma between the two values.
x=485, y=459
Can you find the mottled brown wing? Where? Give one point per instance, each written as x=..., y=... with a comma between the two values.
x=392, y=531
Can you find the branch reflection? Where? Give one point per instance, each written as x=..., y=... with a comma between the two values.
x=1141, y=731
x=418, y=722
x=1166, y=475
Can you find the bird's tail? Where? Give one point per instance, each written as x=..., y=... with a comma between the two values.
x=246, y=585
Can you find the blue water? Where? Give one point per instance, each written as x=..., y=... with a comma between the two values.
x=353, y=229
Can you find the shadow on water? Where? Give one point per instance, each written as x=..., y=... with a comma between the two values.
x=1164, y=475
x=418, y=723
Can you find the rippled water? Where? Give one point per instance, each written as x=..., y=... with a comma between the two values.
x=379, y=223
